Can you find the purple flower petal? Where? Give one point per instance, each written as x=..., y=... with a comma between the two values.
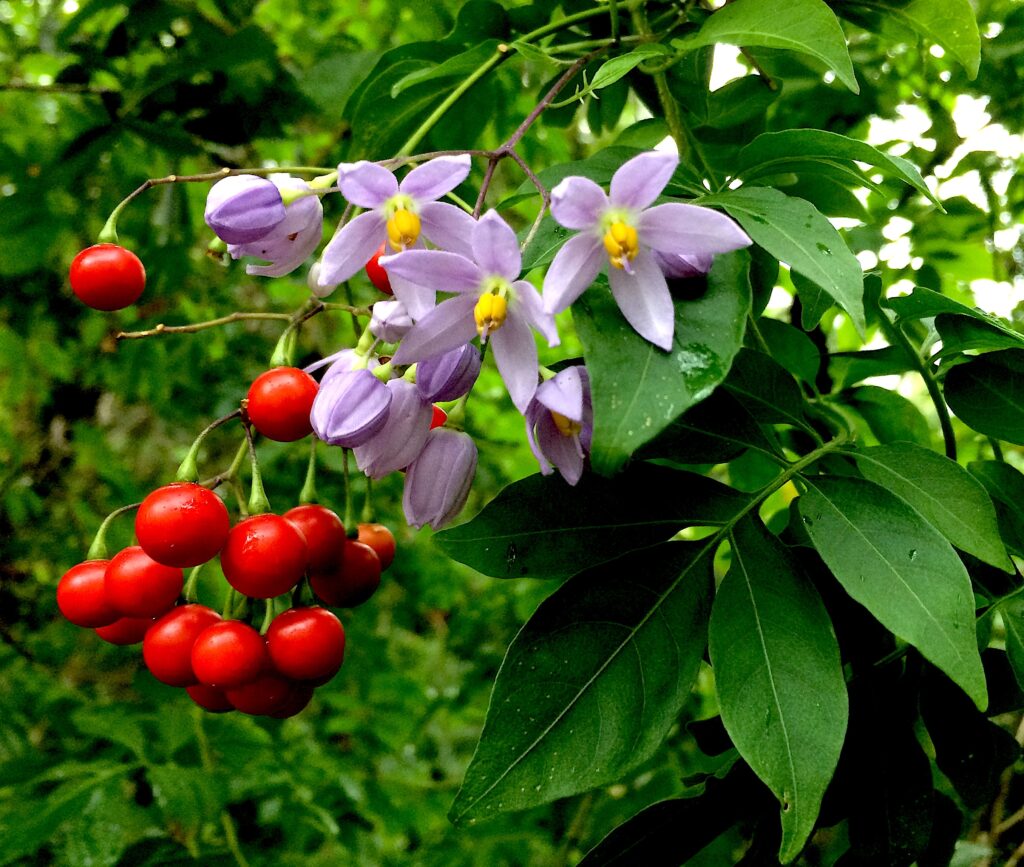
x=418, y=300
x=644, y=299
x=447, y=226
x=495, y=247
x=437, y=483
x=390, y=321
x=536, y=414
x=447, y=326
x=365, y=184
x=563, y=393
x=243, y=208
x=639, y=181
x=350, y=408
x=563, y=451
x=679, y=265
x=449, y=375
x=436, y=177
x=574, y=268
x=577, y=203
x=435, y=269
x=403, y=436
x=532, y=307
x=516, y=355
x=292, y=241
x=690, y=229
x=351, y=248
x=344, y=359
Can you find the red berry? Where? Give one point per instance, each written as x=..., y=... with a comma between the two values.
x=438, y=418
x=228, y=654
x=138, y=586
x=209, y=698
x=279, y=403
x=182, y=524
x=295, y=703
x=265, y=556
x=127, y=630
x=167, y=647
x=380, y=538
x=262, y=696
x=324, y=533
x=81, y=596
x=107, y=277
x=354, y=582
x=378, y=276
x=306, y=644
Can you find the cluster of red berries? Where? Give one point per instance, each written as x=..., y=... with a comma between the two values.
x=226, y=664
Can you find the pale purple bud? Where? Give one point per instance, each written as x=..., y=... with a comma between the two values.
x=244, y=208
x=449, y=375
x=681, y=265
x=350, y=408
x=390, y=321
x=402, y=439
x=437, y=483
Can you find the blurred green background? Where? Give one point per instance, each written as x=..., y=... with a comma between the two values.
x=101, y=765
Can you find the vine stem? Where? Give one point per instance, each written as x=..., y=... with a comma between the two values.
x=188, y=471
x=200, y=326
x=923, y=367
x=230, y=472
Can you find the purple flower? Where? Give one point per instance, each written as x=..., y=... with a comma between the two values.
x=403, y=436
x=437, y=483
x=390, y=321
x=350, y=408
x=449, y=375
x=560, y=423
x=624, y=230
x=490, y=301
x=292, y=241
x=398, y=213
x=243, y=208
x=679, y=265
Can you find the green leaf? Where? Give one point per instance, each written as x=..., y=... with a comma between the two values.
x=923, y=303
x=792, y=348
x=806, y=26
x=849, y=368
x=542, y=528
x=987, y=394
x=767, y=389
x=942, y=492
x=962, y=334
x=531, y=52
x=618, y=67
x=187, y=796
x=638, y=389
x=770, y=153
x=459, y=66
x=544, y=245
x=796, y=232
x=1005, y=484
x=891, y=416
x=815, y=302
x=714, y=431
x=599, y=168
x=652, y=837
x=592, y=682
x=1012, y=612
x=778, y=678
x=901, y=569
x=950, y=23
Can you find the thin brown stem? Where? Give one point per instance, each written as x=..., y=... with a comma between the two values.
x=201, y=326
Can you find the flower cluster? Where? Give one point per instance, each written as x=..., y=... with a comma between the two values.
x=380, y=398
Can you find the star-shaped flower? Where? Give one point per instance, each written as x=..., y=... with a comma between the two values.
x=399, y=214
x=491, y=302
x=622, y=229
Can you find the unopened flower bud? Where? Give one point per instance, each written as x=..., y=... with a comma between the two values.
x=437, y=483
x=244, y=208
x=403, y=436
x=350, y=408
x=390, y=321
x=449, y=375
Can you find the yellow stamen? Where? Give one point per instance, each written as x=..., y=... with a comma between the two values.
x=489, y=313
x=566, y=426
x=621, y=243
x=403, y=229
